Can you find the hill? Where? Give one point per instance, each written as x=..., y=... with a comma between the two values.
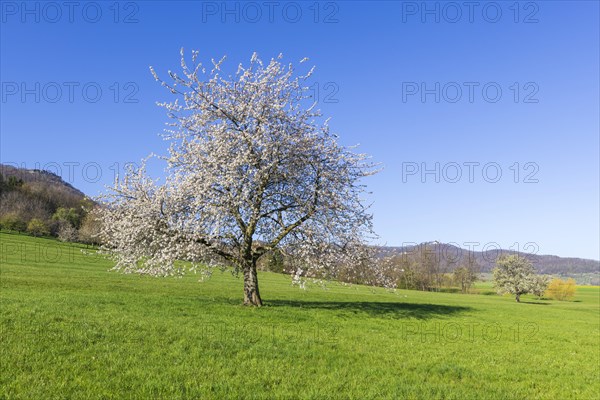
x=40, y=177
x=41, y=203
x=451, y=256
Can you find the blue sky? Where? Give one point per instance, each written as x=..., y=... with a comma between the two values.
x=373, y=62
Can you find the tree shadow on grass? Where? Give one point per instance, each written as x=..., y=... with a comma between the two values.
x=393, y=310
x=535, y=302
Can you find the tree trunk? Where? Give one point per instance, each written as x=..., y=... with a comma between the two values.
x=518, y=298
x=251, y=293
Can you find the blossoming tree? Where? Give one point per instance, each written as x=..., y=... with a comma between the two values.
x=515, y=274
x=252, y=167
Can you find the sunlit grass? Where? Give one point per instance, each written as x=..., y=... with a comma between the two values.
x=71, y=329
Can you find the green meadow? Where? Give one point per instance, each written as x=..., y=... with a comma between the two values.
x=72, y=329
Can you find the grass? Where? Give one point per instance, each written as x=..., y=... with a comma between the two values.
x=69, y=328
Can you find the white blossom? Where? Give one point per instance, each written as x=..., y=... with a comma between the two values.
x=250, y=169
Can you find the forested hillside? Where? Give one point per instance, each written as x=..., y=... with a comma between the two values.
x=42, y=204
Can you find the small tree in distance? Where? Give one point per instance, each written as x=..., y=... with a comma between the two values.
x=467, y=274
x=539, y=285
x=250, y=170
x=66, y=232
x=37, y=227
x=67, y=216
x=90, y=229
x=515, y=275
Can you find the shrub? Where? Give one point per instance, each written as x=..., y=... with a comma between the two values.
x=91, y=226
x=13, y=222
x=68, y=215
x=464, y=277
x=561, y=290
x=37, y=227
x=273, y=261
x=66, y=232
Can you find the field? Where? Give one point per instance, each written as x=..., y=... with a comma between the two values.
x=69, y=328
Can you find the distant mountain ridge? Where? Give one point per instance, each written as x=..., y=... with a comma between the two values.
x=452, y=255
x=38, y=175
